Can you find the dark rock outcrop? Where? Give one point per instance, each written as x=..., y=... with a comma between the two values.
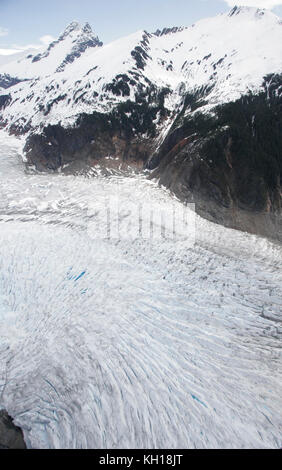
x=6, y=81
x=165, y=31
x=4, y=101
x=85, y=145
x=11, y=437
x=220, y=195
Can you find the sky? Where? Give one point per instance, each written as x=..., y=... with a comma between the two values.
x=35, y=23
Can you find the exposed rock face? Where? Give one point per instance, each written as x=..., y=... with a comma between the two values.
x=6, y=81
x=174, y=29
x=219, y=195
x=229, y=164
x=84, y=147
x=4, y=101
x=11, y=437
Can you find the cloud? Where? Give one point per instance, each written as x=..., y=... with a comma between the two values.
x=3, y=31
x=44, y=40
x=255, y=3
x=16, y=48
x=8, y=51
x=47, y=39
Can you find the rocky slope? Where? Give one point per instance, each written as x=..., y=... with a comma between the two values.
x=230, y=164
x=11, y=437
x=200, y=107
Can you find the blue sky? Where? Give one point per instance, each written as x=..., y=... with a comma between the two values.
x=35, y=22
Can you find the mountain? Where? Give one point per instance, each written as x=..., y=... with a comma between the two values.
x=70, y=45
x=199, y=107
x=229, y=54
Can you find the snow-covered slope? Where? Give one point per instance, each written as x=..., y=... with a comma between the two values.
x=230, y=54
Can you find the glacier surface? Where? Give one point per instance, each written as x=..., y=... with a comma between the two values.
x=115, y=343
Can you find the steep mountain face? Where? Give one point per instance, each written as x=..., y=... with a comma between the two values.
x=200, y=107
x=75, y=40
x=229, y=162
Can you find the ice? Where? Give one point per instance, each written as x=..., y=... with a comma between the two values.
x=117, y=343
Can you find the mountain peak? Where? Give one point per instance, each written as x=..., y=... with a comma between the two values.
x=239, y=10
x=84, y=39
x=73, y=42
x=76, y=27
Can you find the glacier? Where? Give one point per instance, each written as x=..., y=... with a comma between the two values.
x=115, y=343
